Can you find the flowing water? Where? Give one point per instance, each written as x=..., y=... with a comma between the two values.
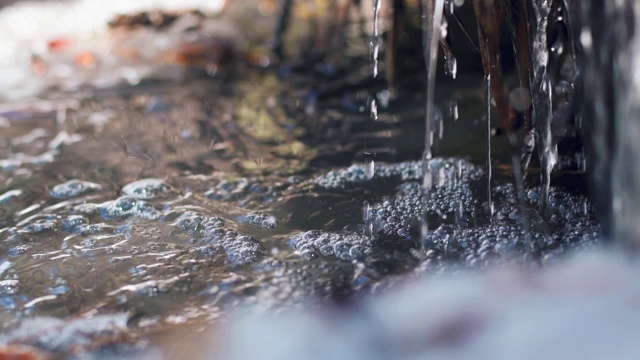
x=135, y=210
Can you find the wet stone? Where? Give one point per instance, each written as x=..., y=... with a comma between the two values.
x=145, y=189
x=74, y=188
x=346, y=246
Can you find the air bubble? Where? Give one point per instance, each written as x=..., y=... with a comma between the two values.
x=73, y=188
x=145, y=189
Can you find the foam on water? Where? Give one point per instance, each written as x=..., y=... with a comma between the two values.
x=74, y=188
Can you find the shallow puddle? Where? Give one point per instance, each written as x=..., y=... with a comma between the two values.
x=130, y=212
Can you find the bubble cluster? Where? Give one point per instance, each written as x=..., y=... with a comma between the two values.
x=475, y=247
x=74, y=188
x=448, y=169
x=71, y=222
x=401, y=214
x=145, y=188
x=240, y=249
x=39, y=224
x=194, y=223
x=565, y=210
x=342, y=245
x=570, y=224
x=91, y=229
x=261, y=219
x=299, y=283
x=8, y=287
x=126, y=207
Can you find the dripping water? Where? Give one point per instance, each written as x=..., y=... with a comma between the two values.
x=431, y=20
x=376, y=40
x=487, y=115
x=374, y=48
x=374, y=109
x=450, y=62
x=369, y=167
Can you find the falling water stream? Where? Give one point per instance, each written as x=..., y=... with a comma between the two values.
x=376, y=39
x=541, y=99
x=431, y=21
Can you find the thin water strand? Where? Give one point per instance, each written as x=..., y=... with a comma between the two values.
x=431, y=21
x=450, y=62
x=487, y=114
x=541, y=100
x=376, y=40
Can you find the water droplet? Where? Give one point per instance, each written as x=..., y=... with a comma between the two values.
x=369, y=168
x=376, y=40
x=374, y=110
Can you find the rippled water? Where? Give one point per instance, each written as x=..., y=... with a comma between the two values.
x=135, y=211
